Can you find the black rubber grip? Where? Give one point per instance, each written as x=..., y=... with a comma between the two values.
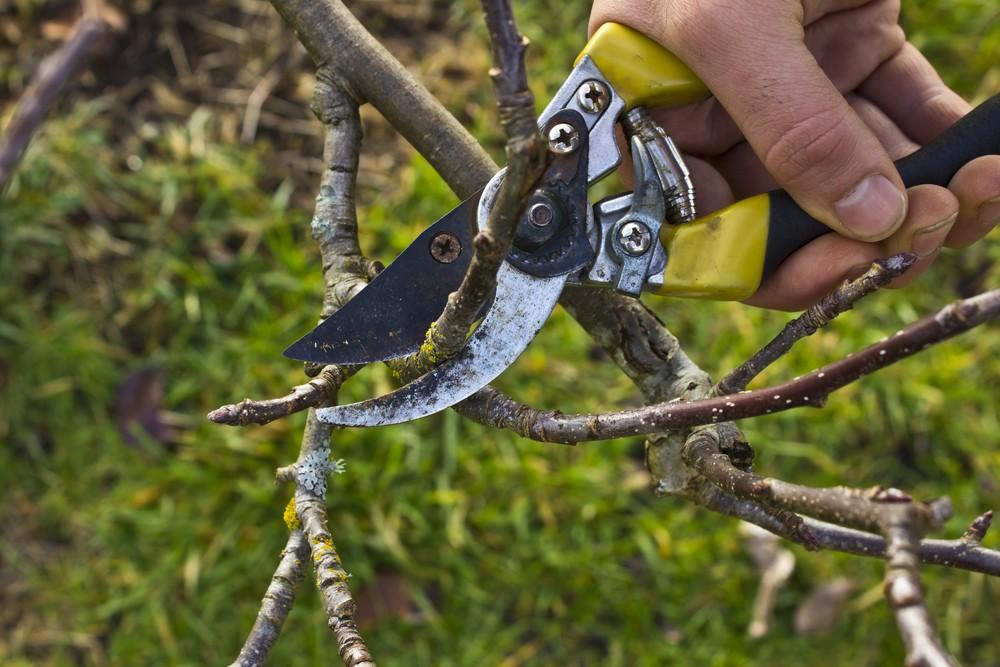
x=975, y=135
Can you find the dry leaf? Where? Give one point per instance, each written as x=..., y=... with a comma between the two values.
x=137, y=406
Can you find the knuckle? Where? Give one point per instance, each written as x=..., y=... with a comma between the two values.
x=892, y=9
x=804, y=151
x=888, y=30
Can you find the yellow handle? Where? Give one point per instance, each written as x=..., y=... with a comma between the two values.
x=719, y=256
x=642, y=71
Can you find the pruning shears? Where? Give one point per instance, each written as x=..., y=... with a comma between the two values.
x=648, y=240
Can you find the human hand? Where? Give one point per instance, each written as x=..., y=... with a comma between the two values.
x=817, y=97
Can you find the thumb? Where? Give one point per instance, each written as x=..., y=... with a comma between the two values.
x=753, y=57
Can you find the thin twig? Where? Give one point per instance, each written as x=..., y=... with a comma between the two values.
x=262, y=91
x=312, y=468
x=861, y=509
x=345, y=272
x=335, y=222
x=54, y=72
x=945, y=553
x=810, y=390
x=815, y=318
x=335, y=228
x=526, y=160
x=277, y=602
x=320, y=389
x=903, y=527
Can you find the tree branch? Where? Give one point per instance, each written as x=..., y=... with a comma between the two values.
x=526, y=160
x=810, y=390
x=55, y=71
x=862, y=509
x=345, y=272
x=335, y=228
x=945, y=553
x=277, y=602
x=842, y=299
x=903, y=527
x=317, y=391
x=311, y=471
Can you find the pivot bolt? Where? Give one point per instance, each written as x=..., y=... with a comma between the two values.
x=634, y=238
x=563, y=139
x=540, y=214
x=592, y=96
x=445, y=247
x=543, y=218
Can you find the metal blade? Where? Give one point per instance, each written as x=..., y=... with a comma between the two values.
x=504, y=333
x=389, y=317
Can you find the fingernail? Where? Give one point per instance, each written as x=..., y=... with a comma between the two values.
x=873, y=208
x=989, y=214
x=926, y=241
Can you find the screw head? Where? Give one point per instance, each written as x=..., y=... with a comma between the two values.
x=563, y=139
x=540, y=214
x=592, y=96
x=445, y=247
x=634, y=238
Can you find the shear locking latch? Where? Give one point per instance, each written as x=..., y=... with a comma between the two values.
x=675, y=178
x=630, y=255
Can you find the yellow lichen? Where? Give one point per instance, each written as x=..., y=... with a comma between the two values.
x=322, y=541
x=291, y=519
x=429, y=349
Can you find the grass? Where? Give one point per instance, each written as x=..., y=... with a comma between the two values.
x=164, y=244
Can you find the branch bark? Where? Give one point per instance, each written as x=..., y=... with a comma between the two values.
x=345, y=272
x=822, y=535
x=815, y=318
x=810, y=390
x=55, y=71
x=277, y=602
x=903, y=528
x=311, y=471
x=319, y=390
x=526, y=161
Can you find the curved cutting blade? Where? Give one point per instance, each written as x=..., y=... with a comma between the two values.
x=519, y=311
x=389, y=318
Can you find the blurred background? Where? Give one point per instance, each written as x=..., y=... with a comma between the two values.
x=155, y=259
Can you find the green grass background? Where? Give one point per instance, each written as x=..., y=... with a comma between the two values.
x=193, y=257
